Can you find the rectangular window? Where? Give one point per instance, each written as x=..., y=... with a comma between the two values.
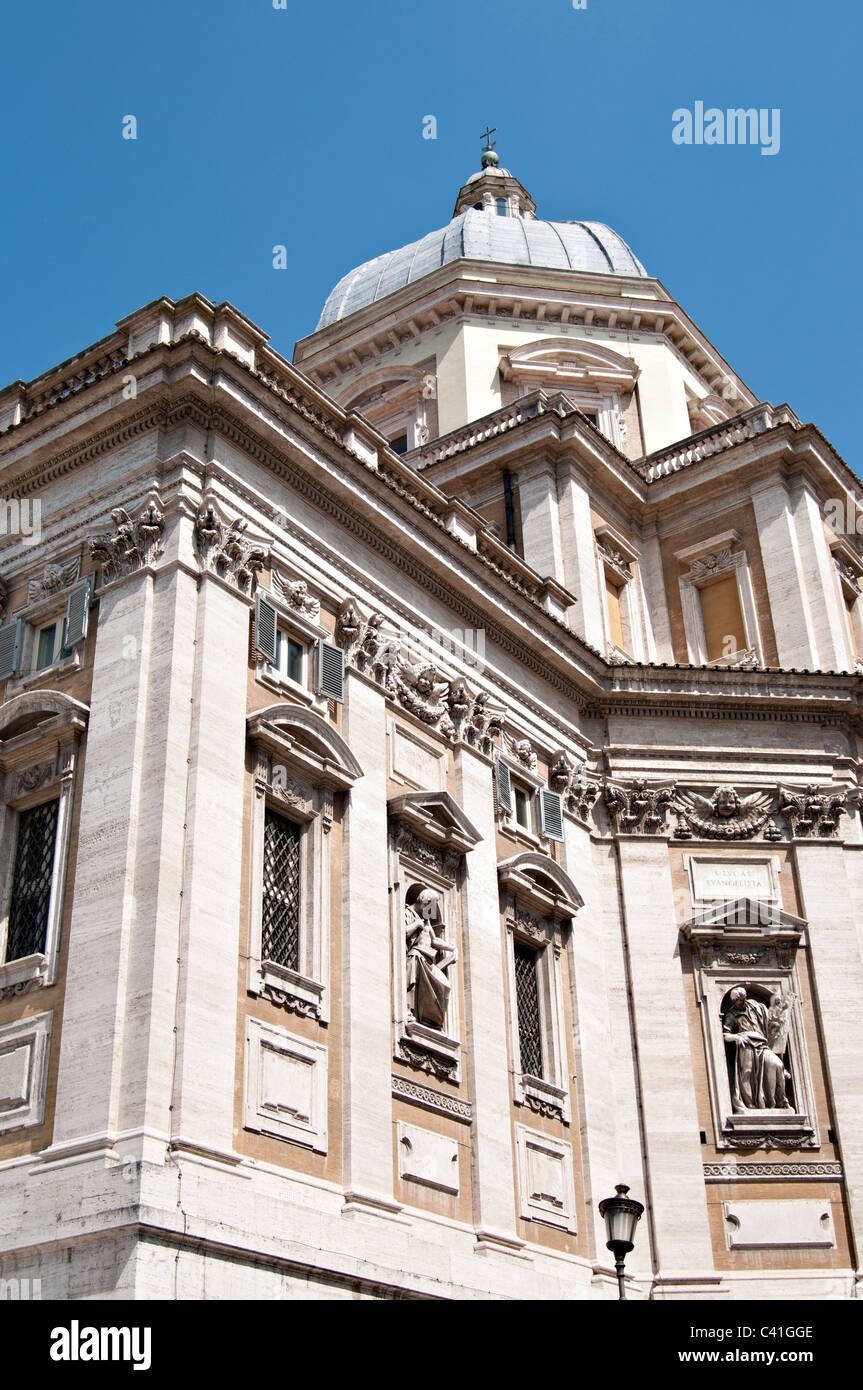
x=281, y=892
x=527, y=1006
x=522, y=807
x=615, y=624
x=289, y=657
x=45, y=647
x=399, y=445
x=721, y=614
x=31, y=880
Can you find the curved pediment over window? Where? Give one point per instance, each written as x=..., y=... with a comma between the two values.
x=540, y=885
x=563, y=362
x=306, y=739
x=376, y=385
x=24, y=713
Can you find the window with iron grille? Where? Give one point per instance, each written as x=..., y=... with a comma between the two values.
x=31, y=881
x=281, y=895
x=527, y=1004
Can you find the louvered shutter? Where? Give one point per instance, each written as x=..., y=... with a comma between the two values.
x=331, y=671
x=11, y=637
x=503, y=785
x=78, y=614
x=266, y=628
x=551, y=814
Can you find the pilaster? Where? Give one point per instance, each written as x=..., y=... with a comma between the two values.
x=485, y=1021
x=675, y=1179
x=366, y=992
x=579, y=556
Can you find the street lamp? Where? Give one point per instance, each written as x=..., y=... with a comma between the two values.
x=621, y=1215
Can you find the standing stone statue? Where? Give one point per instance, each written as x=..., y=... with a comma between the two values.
x=429, y=956
x=758, y=1073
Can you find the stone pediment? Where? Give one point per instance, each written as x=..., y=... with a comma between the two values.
x=745, y=919
x=436, y=818
x=305, y=739
x=540, y=885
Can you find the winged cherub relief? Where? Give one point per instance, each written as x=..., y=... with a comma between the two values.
x=726, y=815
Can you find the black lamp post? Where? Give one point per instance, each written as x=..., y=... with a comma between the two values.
x=621, y=1215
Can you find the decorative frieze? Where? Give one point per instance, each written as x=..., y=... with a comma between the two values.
x=439, y=1101
x=133, y=543
x=448, y=706
x=432, y=1063
x=761, y=1172
x=225, y=549
x=290, y=1001
x=32, y=778
x=444, y=862
x=726, y=815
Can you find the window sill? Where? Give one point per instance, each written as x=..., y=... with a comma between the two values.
x=525, y=837
x=22, y=975
x=541, y=1097
x=287, y=989
x=282, y=686
x=56, y=671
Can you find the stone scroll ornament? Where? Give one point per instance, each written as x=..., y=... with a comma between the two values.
x=429, y=957
x=726, y=815
x=225, y=549
x=759, y=1037
x=133, y=543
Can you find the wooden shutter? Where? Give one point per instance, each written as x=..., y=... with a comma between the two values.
x=78, y=614
x=551, y=814
x=11, y=637
x=331, y=671
x=503, y=785
x=266, y=628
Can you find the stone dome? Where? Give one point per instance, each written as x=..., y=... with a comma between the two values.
x=481, y=234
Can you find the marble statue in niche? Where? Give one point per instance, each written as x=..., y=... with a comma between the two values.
x=429, y=957
x=758, y=1037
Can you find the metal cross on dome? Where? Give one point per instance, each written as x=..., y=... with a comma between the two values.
x=486, y=136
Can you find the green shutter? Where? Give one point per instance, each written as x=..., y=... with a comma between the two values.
x=78, y=614
x=503, y=785
x=11, y=638
x=266, y=628
x=551, y=815
x=331, y=671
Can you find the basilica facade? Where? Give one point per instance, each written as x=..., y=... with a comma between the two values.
x=429, y=797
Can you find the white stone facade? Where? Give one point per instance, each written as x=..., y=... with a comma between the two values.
x=182, y=1117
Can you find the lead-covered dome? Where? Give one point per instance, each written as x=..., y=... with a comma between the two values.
x=494, y=221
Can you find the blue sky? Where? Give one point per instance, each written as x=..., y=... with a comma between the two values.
x=303, y=126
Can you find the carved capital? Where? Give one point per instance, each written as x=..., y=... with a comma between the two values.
x=224, y=549
x=815, y=812
x=637, y=808
x=132, y=544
